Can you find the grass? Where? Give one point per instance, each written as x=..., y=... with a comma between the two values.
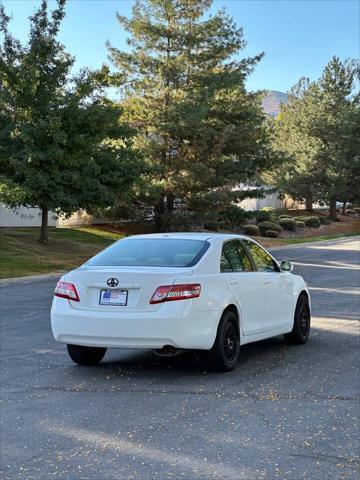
x=275, y=242
x=21, y=254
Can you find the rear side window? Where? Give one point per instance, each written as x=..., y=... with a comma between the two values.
x=151, y=252
x=234, y=258
x=262, y=260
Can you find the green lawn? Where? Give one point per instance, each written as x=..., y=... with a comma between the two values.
x=293, y=241
x=21, y=254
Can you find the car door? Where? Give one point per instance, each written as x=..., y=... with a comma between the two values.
x=278, y=290
x=244, y=283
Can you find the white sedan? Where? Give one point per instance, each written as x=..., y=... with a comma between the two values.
x=174, y=291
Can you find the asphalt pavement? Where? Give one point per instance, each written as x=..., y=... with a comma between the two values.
x=286, y=412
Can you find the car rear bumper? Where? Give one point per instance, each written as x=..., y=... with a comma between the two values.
x=174, y=323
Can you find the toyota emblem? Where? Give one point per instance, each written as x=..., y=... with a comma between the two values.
x=113, y=282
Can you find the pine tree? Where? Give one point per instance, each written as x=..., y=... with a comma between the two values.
x=318, y=130
x=201, y=132
x=297, y=175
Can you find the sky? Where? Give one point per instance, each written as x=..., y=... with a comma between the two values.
x=298, y=36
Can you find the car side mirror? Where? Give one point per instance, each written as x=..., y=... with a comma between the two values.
x=286, y=266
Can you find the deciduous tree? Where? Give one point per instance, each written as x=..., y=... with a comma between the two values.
x=62, y=147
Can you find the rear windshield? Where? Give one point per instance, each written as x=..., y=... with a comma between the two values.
x=151, y=252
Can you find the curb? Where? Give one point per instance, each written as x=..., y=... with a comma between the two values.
x=333, y=241
x=31, y=278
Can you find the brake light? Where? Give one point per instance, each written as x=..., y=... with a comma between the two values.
x=168, y=293
x=66, y=290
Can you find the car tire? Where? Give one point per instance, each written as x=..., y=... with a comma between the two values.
x=302, y=320
x=86, y=355
x=225, y=352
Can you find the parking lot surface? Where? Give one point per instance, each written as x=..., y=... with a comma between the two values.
x=288, y=412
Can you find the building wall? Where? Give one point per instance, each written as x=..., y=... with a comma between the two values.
x=22, y=217
x=31, y=217
x=79, y=218
x=271, y=201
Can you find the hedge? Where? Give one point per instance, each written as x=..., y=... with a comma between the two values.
x=264, y=226
x=288, y=224
x=272, y=233
x=309, y=221
x=263, y=215
x=251, y=230
x=300, y=224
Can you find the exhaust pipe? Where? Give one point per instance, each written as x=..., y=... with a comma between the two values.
x=167, y=351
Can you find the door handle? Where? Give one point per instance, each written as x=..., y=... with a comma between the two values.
x=233, y=282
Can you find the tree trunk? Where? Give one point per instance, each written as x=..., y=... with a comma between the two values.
x=44, y=237
x=332, y=209
x=159, y=210
x=344, y=208
x=163, y=212
x=309, y=203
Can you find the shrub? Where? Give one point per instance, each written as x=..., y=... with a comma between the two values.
x=350, y=211
x=313, y=222
x=300, y=224
x=214, y=226
x=288, y=224
x=264, y=226
x=263, y=216
x=325, y=220
x=309, y=221
x=233, y=216
x=357, y=210
x=284, y=216
x=272, y=233
x=251, y=230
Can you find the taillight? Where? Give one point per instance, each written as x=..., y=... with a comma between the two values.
x=168, y=293
x=66, y=290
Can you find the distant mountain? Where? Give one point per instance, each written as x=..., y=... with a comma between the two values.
x=272, y=101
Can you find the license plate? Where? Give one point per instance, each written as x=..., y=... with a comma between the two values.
x=114, y=297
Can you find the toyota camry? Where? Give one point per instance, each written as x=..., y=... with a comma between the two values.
x=175, y=291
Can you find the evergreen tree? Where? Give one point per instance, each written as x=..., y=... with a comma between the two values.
x=297, y=175
x=319, y=132
x=336, y=125
x=61, y=146
x=201, y=132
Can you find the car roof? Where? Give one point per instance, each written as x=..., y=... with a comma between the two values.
x=189, y=235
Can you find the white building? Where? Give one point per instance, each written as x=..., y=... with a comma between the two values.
x=31, y=217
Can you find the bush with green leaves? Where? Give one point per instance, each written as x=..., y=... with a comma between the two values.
x=284, y=216
x=310, y=221
x=233, y=216
x=213, y=226
x=272, y=234
x=264, y=226
x=251, y=230
x=265, y=214
x=288, y=224
x=325, y=220
x=357, y=210
x=300, y=224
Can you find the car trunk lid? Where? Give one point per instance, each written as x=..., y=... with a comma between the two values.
x=130, y=287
